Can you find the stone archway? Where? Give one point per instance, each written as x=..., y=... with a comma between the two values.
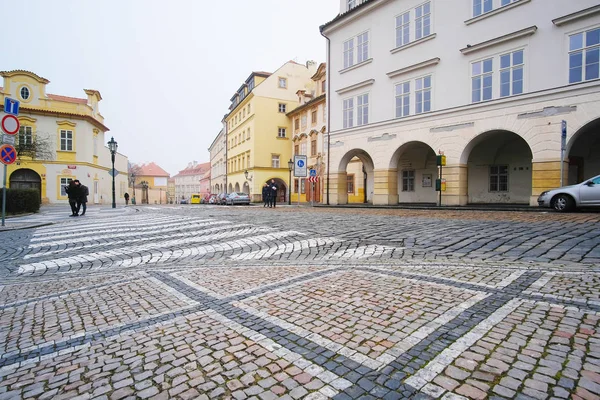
x=25, y=178
x=230, y=188
x=499, y=168
x=246, y=188
x=282, y=189
x=417, y=171
x=583, y=153
x=355, y=178
x=237, y=187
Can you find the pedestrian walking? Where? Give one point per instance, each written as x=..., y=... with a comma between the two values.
x=274, y=188
x=82, y=201
x=126, y=195
x=266, y=192
x=73, y=191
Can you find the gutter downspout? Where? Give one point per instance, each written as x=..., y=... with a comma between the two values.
x=328, y=104
x=226, y=160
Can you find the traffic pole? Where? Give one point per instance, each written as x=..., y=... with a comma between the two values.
x=4, y=193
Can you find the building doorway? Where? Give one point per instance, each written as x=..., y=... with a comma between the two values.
x=26, y=179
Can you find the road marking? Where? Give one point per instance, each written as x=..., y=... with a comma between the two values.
x=286, y=248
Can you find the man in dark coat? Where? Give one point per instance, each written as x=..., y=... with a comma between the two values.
x=274, y=188
x=266, y=193
x=73, y=192
x=84, y=193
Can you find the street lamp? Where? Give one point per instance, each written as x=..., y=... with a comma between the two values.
x=112, y=146
x=290, y=167
x=133, y=185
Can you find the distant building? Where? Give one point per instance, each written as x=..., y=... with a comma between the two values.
x=205, y=184
x=151, y=184
x=171, y=191
x=218, y=163
x=187, y=181
x=67, y=136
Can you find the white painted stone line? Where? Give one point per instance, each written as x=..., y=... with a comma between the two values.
x=509, y=279
x=127, y=227
x=76, y=259
x=540, y=283
x=285, y=248
x=83, y=245
x=563, y=306
x=416, y=281
x=173, y=292
x=280, y=351
x=99, y=224
x=176, y=275
x=426, y=374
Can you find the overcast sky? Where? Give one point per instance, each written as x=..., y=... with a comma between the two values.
x=166, y=69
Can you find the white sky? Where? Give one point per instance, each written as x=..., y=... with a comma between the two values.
x=166, y=69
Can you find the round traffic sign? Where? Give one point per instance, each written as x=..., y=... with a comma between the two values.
x=300, y=163
x=10, y=124
x=8, y=154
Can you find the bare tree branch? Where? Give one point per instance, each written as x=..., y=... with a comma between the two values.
x=38, y=146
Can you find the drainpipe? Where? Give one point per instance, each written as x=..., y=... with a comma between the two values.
x=226, y=161
x=328, y=103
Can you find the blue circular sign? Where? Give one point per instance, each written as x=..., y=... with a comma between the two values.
x=300, y=163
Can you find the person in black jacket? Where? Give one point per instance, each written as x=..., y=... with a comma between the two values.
x=82, y=200
x=73, y=192
x=266, y=192
x=274, y=188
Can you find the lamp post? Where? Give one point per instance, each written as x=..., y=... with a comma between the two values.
x=133, y=185
x=112, y=146
x=290, y=166
x=145, y=187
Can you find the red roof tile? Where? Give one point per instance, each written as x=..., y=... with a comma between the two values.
x=151, y=169
x=66, y=99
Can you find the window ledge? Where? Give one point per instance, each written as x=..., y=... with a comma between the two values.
x=566, y=19
x=496, y=11
x=65, y=151
x=368, y=61
x=414, y=67
x=358, y=85
x=413, y=43
x=502, y=39
x=282, y=138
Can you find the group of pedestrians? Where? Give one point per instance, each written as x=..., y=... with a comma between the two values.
x=77, y=194
x=269, y=194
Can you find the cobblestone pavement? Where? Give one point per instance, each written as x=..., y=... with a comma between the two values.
x=251, y=303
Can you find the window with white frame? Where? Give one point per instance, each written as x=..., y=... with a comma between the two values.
x=362, y=53
x=422, y=20
x=283, y=83
x=303, y=149
x=348, y=113
x=66, y=140
x=275, y=161
x=281, y=132
x=303, y=119
x=498, y=178
x=363, y=109
x=248, y=134
x=403, y=29
x=354, y=3
x=282, y=107
x=423, y=94
x=408, y=180
x=64, y=182
x=403, y=99
x=25, y=136
x=482, y=7
x=584, y=56
x=349, y=53
x=511, y=73
x=481, y=80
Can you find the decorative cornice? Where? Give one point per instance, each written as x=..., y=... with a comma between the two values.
x=41, y=111
x=496, y=11
x=414, y=43
x=501, y=39
x=93, y=92
x=585, y=13
x=27, y=119
x=360, y=64
x=385, y=136
x=65, y=122
x=10, y=74
x=358, y=85
x=414, y=67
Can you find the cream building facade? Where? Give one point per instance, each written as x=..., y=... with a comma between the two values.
x=76, y=138
x=218, y=163
x=487, y=83
x=187, y=181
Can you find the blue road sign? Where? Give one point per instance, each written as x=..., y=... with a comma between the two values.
x=11, y=106
x=8, y=154
x=113, y=172
x=301, y=163
x=313, y=172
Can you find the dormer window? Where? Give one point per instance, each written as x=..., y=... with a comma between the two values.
x=250, y=85
x=354, y=3
x=24, y=93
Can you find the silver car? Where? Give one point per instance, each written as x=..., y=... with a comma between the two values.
x=585, y=194
x=237, y=198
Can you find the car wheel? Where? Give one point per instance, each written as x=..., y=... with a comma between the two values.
x=562, y=203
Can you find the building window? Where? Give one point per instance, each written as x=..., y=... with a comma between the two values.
x=25, y=93
x=303, y=121
x=363, y=109
x=303, y=186
x=481, y=7
x=297, y=124
x=281, y=132
x=303, y=149
x=323, y=86
x=498, y=178
x=63, y=183
x=584, y=56
x=248, y=109
x=313, y=147
x=313, y=117
x=408, y=180
x=349, y=113
x=244, y=113
x=511, y=73
x=403, y=100
x=297, y=149
x=363, y=47
x=296, y=185
x=275, y=161
x=403, y=29
x=283, y=83
x=423, y=94
x=423, y=20
x=282, y=108
x=66, y=140
x=25, y=136
x=350, y=183
x=250, y=87
x=248, y=134
x=481, y=79
x=248, y=160
x=349, y=53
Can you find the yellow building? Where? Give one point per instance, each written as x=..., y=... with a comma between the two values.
x=259, y=131
x=151, y=184
x=61, y=139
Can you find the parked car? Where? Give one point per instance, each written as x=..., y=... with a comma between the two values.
x=237, y=198
x=221, y=198
x=212, y=199
x=585, y=194
x=195, y=199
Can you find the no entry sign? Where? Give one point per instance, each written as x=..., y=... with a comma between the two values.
x=10, y=124
x=8, y=154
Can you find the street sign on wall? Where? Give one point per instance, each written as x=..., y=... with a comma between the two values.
x=10, y=124
x=300, y=169
x=11, y=106
x=8, y=154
